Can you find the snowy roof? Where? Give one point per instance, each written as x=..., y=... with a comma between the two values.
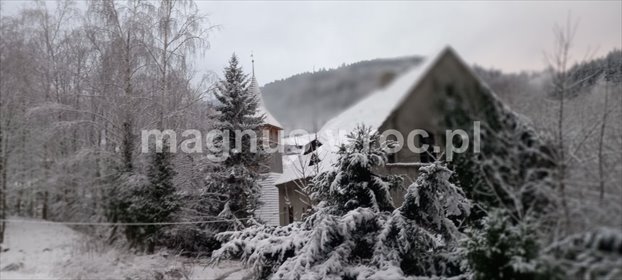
x=372, y=111
x=298, y=140
x=261, y=109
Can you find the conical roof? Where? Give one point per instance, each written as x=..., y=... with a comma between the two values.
x=261, y=106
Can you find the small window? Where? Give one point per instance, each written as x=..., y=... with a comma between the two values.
x=290, y=214
x=391, y=158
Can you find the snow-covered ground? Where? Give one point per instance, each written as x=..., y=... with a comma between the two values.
x=53, y=251
x=36, y=249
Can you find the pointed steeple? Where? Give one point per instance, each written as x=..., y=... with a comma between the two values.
x=253, y=63
x=261, y=109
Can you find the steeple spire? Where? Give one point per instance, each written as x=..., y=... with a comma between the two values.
x=261, y=110
x=253, y=62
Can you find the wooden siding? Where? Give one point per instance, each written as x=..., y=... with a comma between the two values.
x=269, y=210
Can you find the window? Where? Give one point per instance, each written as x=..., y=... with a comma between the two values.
x=290, y=214
x=391, y=158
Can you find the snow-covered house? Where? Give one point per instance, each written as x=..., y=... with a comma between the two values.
x=269, y=210
x=410, y=102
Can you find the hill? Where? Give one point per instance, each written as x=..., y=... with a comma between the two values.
x=308, y=100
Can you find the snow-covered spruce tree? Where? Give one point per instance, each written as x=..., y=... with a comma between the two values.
x=421, y=237
x=515, y=168
x=502, y=249
x=353, y=183
x=152, y=199
x=352, y=234
x=353, y=204
x=117, y=198
x=515, y=171
x=237, y=177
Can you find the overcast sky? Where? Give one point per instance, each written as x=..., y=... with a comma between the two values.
x=292, y=37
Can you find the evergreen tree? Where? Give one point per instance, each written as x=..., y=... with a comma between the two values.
x=150, y=199
x=237, y=177
x=353, y=182
x=352, y=234
x=421, y=236
x=350, y=197
x=515, y=168
x=505, y=250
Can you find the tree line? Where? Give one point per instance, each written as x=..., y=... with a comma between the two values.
x=78, y=82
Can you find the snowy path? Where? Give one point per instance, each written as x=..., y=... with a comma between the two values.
x=36, y=248
x=53, y=251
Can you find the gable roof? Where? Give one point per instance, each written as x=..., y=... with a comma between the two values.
x=261, y=106
x=372, y=111
x=378, y=106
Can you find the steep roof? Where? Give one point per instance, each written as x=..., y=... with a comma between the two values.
x=372, y=111
x=270, y=120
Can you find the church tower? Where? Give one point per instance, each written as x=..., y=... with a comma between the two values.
x=269, y=210
x=271, y=127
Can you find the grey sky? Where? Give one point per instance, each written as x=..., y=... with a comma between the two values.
x=291, y=37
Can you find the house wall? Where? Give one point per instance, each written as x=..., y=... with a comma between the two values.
x=290, y=195
x=421, y=110
x=275, y=160
x=268, y=210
